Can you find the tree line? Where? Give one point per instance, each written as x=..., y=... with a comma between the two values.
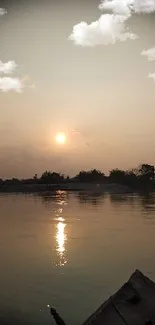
x=142, y=176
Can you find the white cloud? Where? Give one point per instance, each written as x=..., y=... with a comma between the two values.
x=107, y=30
x=8, y=67
x=127, y=7
x=144, y=6
x=2, y=11
x=14, y=84
x=120, y=7
x=111, y=27
x=152, y=75
x=8, y=84
x=150, y=53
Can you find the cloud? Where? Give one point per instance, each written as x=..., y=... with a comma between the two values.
x=150, y=53
x=14, y=84
x=127, y=7
x=107, y=30
x=144, y=6
x=8, y=83
x=8, y=67
x=2, y=11
x=120, y=7
x=75, y=132
x=111, y=27
x=152, y=75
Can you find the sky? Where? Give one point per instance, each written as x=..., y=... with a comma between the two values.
x=60, y=72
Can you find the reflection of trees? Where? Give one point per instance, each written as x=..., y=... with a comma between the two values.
x=147, y=201
x=47, y=199
x=94, y=199
x=121, y=198
x=58, y=197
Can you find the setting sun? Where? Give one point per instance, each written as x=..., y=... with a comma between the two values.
x=60, y=138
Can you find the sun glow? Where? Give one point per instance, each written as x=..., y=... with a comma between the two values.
x=60, y=138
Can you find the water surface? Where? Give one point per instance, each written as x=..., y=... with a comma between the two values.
x=70, y=251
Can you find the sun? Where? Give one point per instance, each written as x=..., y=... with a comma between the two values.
x=60, y=138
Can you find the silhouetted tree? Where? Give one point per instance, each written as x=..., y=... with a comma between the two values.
x=51, y=177
x=142, y=177
x=131, y=179
x=35, y=177
x=117, y=175
x=13, y=181
x=90, y=176
x=146, y=172
x=128, y=177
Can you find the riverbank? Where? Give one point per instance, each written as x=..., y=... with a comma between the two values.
x=37, y=188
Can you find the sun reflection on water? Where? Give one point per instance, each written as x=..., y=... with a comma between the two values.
x=61, y=239
x=61, y=236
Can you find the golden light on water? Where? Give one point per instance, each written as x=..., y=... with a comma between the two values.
x=60, y=138
x=61, y=237
x=61, y=240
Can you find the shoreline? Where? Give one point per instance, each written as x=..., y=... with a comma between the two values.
x=70, y=187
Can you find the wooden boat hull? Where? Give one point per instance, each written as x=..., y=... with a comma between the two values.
x=133, y=304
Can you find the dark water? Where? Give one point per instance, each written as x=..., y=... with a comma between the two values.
x=70, y=251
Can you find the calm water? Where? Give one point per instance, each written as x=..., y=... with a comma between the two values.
x=70, y=251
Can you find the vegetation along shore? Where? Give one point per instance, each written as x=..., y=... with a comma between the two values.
x=140, y=178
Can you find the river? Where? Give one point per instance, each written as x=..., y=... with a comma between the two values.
x=70, y=251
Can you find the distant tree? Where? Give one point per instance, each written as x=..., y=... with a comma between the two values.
x=35, y=177
x=142, y=177
x=13, y=181
x=135, y=178
x=131, y=179
x=93, y=175
x=96, y=175
x=117, y=175
x=146, y=172
x=51, y=177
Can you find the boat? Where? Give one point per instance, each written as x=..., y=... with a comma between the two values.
x=132, y=304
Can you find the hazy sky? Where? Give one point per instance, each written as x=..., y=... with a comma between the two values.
x=101, y=91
